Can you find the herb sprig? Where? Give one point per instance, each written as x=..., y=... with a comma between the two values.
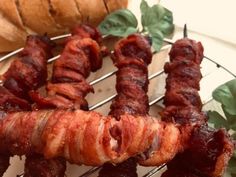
x=226, y=95
x=157, y=22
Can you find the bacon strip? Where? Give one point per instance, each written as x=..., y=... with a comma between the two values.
x=29, y=70
x=68, y=86
x=207, y=150
x=67, y=134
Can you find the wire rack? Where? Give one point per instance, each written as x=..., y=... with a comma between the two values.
x=156, y=170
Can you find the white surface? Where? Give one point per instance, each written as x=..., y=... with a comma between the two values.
x=213, y=17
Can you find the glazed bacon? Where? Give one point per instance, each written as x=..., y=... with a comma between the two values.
x=131, y=57
x=84, y=137
x=207, y=150
x=68, y=86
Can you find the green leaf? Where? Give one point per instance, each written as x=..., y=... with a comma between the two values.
x=144, y=8
x=157, y=21
x=226, y=95
x=217, y=120
x=234, y=137
x=157, y=39
x=119, y=23
x=156, y=17
x=232, y=165
x=231, y=119
x=233, y=126
x=233, y=174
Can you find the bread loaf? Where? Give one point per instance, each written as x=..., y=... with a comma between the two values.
x=11, y=36
x=19, y=18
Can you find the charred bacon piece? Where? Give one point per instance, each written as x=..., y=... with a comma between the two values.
x=37, y=166
x=127, y=168
x=12, y=103
x=207, y=155
x=207, y=150
x=182, y=101
x=4, y=163
x=67, y=89
x=86, y=31
x=131, y=56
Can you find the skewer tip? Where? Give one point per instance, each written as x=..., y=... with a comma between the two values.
x=185, y=31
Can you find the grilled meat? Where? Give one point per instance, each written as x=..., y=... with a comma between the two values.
x=88, y=138
x=12, y=103
x=207, y=150
x=29, y=70
x=131, y=57
x=68, y=86
x=37, y=166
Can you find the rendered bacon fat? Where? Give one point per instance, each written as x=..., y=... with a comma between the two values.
x=131, y=56
x=83, y=137
x=207, y=150
x=67, y=89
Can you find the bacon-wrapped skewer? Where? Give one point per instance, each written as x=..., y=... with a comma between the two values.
x=131, y=56
x=85, y=137
x=67, y=89
x=27, y=72
x=104, y=142
x=68, y=86
x=62, y=134
x=208, y=150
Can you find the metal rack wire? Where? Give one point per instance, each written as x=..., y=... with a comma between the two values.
x=91, y=171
